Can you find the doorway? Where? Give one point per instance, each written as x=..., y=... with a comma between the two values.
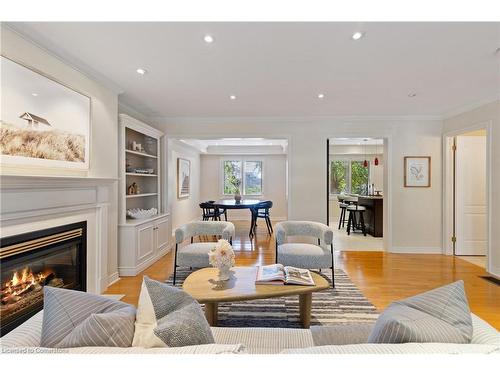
x=470, y=214
x=355, y=187
x=467, y=195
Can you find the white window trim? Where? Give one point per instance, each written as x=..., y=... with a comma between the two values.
x=242, y=160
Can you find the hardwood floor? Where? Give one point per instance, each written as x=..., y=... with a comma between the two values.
x=382, y=277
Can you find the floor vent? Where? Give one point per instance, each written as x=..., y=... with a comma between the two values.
x=491, y=279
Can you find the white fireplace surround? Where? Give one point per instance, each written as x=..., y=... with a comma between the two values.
x=30, y=203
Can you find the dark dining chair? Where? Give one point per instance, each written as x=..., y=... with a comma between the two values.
x=209, y=211
x=262, y=211
x=219, y=211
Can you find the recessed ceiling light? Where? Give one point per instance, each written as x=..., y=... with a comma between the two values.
x=321, y=96
x=208, y=39
x=357, y=35
x=34, y=94
x=141, y=71
x=412, y=94
x=232, y=97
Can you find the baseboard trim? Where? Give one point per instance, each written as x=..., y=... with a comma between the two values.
x=495, y=271
x=113, y=278
x=416, y=250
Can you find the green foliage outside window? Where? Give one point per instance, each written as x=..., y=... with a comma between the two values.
x=348, y=177
x=359, y=178
x=232, y=173
x=338, y=176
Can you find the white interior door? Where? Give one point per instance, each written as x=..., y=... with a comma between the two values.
x=470, y=184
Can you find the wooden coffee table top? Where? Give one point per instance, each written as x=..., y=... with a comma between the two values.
x=203, y=286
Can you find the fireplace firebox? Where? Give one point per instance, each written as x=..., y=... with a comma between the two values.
x=30, y=261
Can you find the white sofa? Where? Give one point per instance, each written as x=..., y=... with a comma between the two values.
x=486, y=339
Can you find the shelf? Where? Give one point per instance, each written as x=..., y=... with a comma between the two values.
x=141, y=174
x=140, y=195
x=141, y=154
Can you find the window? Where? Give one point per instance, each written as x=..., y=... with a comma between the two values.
x=244, y=177
x=253, y=178
x=338, y=176
x=349, y=176
x=359, y=178
x=232, y=176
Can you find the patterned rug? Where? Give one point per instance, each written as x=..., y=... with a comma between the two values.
x=342, y=305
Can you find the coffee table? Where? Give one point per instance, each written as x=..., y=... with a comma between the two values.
x=203, y=286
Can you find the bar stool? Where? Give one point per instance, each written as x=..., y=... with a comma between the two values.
x=343, y=207
x=352, y=222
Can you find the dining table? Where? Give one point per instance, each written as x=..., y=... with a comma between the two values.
x=244, y=204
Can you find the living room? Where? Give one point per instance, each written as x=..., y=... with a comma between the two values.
x=150, y=171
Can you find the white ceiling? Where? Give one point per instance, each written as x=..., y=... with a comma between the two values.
x=278, y=69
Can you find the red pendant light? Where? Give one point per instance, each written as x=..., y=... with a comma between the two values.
x=376, y=157
x=365, y=163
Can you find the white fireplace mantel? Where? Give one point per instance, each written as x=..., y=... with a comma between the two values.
x=30, y=203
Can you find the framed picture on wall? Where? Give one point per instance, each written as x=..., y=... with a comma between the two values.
x=43, y=122
x=183, y=178
x=417, y=171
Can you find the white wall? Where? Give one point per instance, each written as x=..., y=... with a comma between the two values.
x=416, y=213
x=104, y=131
x=183, y=210
x=488, y=114
x=274, y=182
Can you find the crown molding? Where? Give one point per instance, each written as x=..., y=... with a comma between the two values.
x=470, y=107
x=133, y=112
x=67, y=59
x=289, y=119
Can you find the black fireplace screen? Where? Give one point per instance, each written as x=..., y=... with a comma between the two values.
x=28, y=262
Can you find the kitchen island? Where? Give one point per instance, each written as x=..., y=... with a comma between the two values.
x=374, y=214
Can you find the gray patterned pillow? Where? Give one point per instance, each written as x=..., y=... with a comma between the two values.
x=74, y=319
x=178, y=318
x=440, y=315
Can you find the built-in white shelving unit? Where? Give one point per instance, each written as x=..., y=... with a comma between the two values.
x=145, y=240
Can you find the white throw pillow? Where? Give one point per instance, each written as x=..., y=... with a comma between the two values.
x=168, y=316
x=145, y=322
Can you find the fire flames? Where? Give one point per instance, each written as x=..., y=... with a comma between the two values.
x=22, y=282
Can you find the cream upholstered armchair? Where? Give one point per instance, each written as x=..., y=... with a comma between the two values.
x=196, y=253
x=305, y=255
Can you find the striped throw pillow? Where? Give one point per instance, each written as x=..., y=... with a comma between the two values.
x=74, y=319
x=441, y=315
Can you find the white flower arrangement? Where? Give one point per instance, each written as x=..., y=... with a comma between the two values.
x=222, y=255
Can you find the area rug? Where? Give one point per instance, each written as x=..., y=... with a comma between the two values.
x=343, y=305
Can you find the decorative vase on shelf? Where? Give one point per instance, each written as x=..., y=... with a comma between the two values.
x=222, y=258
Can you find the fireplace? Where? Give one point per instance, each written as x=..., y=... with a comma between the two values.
x=30, y=261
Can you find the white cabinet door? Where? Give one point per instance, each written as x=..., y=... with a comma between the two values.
x=162, y=238
x=470, y=183
x=145, y=242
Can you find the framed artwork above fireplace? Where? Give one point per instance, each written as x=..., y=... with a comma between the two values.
x=43, y=122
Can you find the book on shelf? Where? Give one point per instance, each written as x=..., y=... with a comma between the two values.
x=279, y=274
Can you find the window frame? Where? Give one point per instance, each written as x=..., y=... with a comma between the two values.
x=243, y=161
x=349, y=172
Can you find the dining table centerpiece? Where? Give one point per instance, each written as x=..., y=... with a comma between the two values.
x=222, y=258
